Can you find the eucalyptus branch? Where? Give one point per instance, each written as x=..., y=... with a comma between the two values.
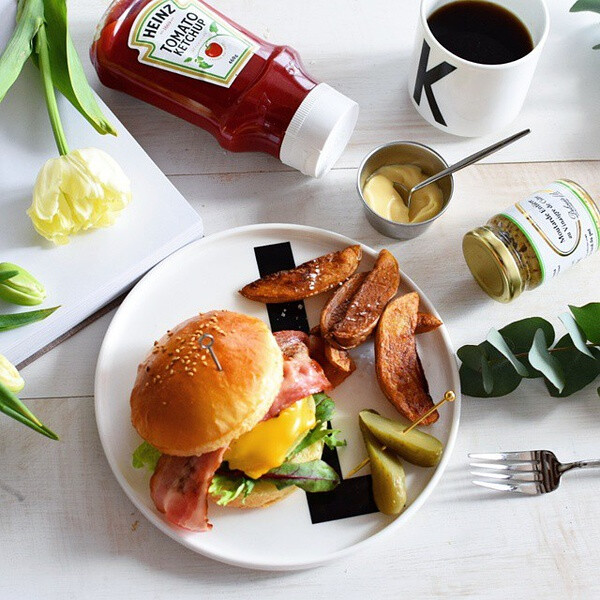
x=527, y=349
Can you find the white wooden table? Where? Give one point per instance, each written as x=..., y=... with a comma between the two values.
x=68, y=531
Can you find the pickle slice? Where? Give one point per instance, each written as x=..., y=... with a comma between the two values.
x=416, y=447
x=387, y=473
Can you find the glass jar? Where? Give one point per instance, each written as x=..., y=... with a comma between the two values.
x=533, y=240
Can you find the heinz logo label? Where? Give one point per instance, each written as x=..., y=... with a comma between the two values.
x=187, y=38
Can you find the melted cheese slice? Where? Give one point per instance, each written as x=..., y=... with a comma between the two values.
x=266, y=446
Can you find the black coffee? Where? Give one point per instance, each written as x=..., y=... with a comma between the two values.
x=481, y=32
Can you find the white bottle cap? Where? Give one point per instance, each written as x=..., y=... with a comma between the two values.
x=319, y=131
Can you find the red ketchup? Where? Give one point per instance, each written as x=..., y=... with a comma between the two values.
x=190, y=60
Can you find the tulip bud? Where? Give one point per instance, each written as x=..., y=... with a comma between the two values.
x=9, y=375
x=22, y=288
x=77, y=191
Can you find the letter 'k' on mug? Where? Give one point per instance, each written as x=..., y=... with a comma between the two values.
x=473, y=62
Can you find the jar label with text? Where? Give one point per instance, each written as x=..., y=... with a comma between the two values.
x=561, y=223
x=186, y=37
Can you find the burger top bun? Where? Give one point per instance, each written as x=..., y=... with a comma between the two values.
x=184, y=406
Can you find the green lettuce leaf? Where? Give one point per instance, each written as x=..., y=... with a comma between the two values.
x=324, y=410
x=228, y=488
x=313, y=476
x=145, y=455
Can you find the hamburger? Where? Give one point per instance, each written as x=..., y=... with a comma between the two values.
x=244, y=436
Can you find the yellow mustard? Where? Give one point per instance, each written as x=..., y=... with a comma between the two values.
x=381, y=196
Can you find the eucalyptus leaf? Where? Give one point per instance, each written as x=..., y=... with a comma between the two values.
x=519, y=337
x=588, y=318
x=586, y=6
x=67, y=71
x=21, y=319
x=577, y=336
x=495, y=339
x=471, y=356
x=579, y=369
x=506, y=380
x=20, y=46
x=545, y=363
x=486, y=375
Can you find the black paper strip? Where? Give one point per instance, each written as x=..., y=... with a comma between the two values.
x=353, y=496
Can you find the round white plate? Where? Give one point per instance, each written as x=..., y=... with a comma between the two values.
x=207, y=275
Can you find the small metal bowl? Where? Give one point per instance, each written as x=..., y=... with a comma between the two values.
x=398, y=153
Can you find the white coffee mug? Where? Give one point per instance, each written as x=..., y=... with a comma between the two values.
x=467, y=98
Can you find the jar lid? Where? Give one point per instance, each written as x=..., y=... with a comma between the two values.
x=319, y=131
x=492, y=265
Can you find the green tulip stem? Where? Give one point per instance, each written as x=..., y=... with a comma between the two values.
x=41, y=47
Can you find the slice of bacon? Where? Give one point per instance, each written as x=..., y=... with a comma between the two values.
x=179, y=488
x=302, y=376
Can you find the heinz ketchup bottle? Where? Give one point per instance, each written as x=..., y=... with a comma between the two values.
x=188, y=59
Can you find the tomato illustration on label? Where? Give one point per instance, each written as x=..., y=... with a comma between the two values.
x=214, y=50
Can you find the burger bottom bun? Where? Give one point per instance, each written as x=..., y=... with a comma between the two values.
x=265, y=493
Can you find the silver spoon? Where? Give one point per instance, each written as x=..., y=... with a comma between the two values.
x=465, y=162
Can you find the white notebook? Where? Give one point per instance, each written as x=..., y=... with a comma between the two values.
x=99, y=265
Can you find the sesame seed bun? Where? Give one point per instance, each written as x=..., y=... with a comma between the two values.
x=184, y=406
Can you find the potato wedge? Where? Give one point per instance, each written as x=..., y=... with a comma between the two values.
x=397, y=365
x=426, y=323
x=337, y=364
x=308, y=279
x=378, y=288
x=352, y=312
x=336, y=307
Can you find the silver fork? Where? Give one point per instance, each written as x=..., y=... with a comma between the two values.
x=533, y=472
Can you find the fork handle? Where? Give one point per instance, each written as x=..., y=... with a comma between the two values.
x=582, y=464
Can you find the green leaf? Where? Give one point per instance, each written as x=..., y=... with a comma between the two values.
x=324, y=407
x=12, y=406
x=228, y=488
x=67, y=71
x=30, y=17
x=188, y=59
x=577, y=336
x=588, y=318
x=213, y=27
x=471, y=356
x=324, y=410
x=145, y=455
x=545, y=363
x=319, y=433
x=519, y=337
x=203, y=64
x=24, y=318
x=579, y=369
x=506, y=380
x=313, y=476
x=21, y=287
x=7, y=275
x=485, y=372
x=487, y=376
x=586, y=6
x=496, y=340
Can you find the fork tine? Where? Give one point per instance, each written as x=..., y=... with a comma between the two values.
x=529, y=488
x=504, y=456
x=499, y=466
x=520, y=477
